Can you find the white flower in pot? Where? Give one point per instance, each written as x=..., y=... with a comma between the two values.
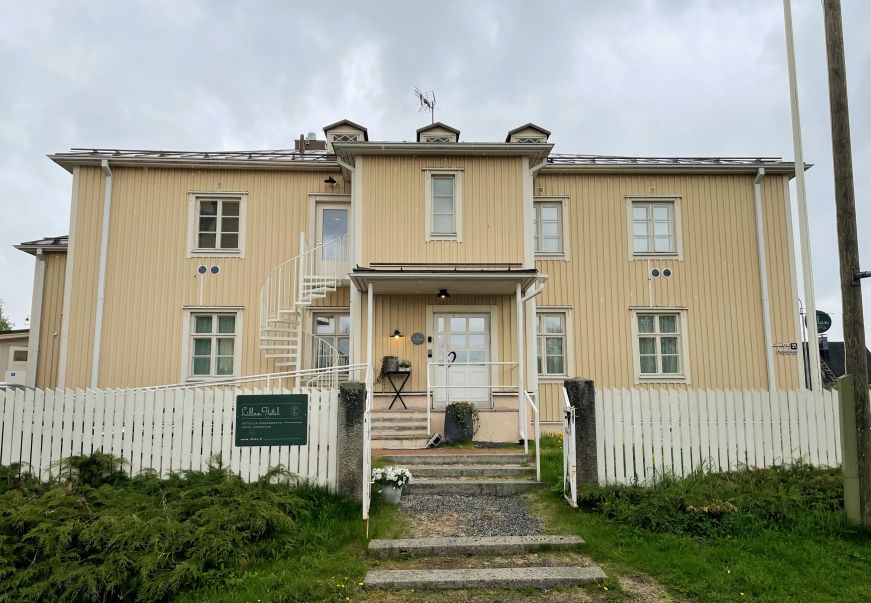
x=391, y=479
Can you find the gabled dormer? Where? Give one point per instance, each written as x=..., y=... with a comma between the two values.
x=528, y=133
x=344, y=131
x=438, y=132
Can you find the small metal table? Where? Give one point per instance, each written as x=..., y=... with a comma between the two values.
x=397, y=395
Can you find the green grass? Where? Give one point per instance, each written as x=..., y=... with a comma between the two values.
x=772, y=535
x=98, y=535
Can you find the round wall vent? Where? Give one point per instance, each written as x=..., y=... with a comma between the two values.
x=202, y=269
x=654, y=273
x=667, y=272
x=215, y=269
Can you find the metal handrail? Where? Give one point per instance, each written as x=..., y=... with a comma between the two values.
x=268, y=377
x=530, y=401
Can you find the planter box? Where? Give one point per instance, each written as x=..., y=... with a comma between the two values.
x=456, y=431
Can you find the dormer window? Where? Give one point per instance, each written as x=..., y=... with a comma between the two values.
x=437, y=139
x=528, y=134
x=531, y=139
x=345, y=137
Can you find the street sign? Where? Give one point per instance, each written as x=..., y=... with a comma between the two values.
x=272, y=420
x=824, y=321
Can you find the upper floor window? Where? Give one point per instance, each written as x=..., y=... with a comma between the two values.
x=345, y=137
x=549, y=228
x=212, y=347
x=217, y=224
x=443, y=205
x=660, y=345
x=654, y=227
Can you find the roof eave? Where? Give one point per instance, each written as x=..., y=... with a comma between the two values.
x=670, y=169
x=69, y=162
x=347, y=150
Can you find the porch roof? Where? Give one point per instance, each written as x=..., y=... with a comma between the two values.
x=428, y=279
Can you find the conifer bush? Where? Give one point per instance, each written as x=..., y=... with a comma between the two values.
x=96, y=534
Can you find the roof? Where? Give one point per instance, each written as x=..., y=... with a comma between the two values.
x=433, y=126
x=348, y=122
x=558, y=162
x=525, y=126
x=47, y=244
x=14, y=334
x=833, y=360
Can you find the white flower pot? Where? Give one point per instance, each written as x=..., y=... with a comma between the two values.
x=391, y=494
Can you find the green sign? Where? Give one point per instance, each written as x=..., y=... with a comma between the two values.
x=824, y=321
x=272, y=420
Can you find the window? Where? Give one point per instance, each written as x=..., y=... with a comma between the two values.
x=17, y=357
x=443, y=205
x=345, y=137
x=332, y=341
x=551, y=335
x=213, y=347
x=660, y=345
x=654, y=225
x=548, y=228
x=217, y=224
x=438, y=139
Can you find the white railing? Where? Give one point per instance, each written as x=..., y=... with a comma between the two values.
x=570, y=457
x=293, y=282
x=269, y=380
x=367, y=448
x=644, y=434
x=492, y=385
x=537, y=423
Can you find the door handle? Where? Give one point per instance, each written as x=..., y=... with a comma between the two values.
x=453, y=356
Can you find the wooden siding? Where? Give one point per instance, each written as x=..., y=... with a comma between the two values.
x=149, y=280
x=50, y=320
x=717, y=281
x=394, y=210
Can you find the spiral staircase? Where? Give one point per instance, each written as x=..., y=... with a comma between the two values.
x=287, y=291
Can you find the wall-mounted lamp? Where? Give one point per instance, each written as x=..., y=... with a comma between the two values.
x=329, y=180
x=443, y=294
x=397, y=334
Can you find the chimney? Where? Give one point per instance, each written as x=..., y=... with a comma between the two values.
x=309, y=142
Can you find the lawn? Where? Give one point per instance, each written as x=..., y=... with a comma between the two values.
x=766, y=535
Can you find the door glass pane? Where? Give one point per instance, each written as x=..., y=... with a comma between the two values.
x=476, y=341
x=226, y=324
x=344, y=325
x=335, y=224
x=476, y=324
x=458, y=342
x=477, y=356
x=458, y=325
x=203, y=324
x=461, y=356
x=324, y=324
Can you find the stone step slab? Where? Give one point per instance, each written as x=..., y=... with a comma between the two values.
x=443, y=471
x=460, y=459
x=391, y=443
x=469, y=545
x=477, y=487
x=502, y=578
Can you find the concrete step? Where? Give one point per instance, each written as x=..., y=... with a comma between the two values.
x=397, y=420
x=501, y=577
x=462, y=459
x=470, y=487
x=400, y=444
x=497, y=471
x=399, y=414
x=470, y=545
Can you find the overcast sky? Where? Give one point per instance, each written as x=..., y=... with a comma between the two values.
x=667, y=77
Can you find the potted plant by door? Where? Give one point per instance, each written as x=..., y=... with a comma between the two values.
x=405, y=366
x=461, y=422
x=391, y=479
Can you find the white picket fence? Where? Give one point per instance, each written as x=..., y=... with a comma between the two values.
x=642, y=434
x=167, y=430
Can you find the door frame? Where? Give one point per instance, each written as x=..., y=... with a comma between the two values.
x=495, y=327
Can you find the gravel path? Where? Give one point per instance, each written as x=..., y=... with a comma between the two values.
x=435, y=515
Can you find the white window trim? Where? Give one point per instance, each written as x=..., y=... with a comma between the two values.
x=677, y=254
x=458, y=204
x=564, y=254
x=569, y=350
x=188, y=312
x=335, y=133
x=683, y=377
x=193, y=201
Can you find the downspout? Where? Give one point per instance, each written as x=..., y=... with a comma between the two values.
x=763, y=277
x=356, y=338
x=530, y=303
x=101, y=278
x=35, y=319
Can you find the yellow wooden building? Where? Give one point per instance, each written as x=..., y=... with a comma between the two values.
x=493, y=268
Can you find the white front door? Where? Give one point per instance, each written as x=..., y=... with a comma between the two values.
x=462, y=342
x=331, y=228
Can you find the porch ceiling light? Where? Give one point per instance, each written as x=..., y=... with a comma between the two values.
x=397, y=334
x=443, y=294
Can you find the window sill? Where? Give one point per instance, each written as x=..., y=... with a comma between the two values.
x=656, y=256
x=205, y=253
x=552, y=378
x=662, y=379
x=442, y=237
x=551, y=256
x=210, y=379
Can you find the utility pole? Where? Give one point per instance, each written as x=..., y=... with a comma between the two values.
x=848, y=249
x=814, y=376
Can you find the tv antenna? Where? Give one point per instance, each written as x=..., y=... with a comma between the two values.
x=427, y=102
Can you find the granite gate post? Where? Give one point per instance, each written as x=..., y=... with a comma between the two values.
x=582, y=397
x=349, y=447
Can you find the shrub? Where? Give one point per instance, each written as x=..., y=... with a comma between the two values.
x=97, y=534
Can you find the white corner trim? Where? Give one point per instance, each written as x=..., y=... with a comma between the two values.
x=35, y=318
x=457, y=235
x=68, y=284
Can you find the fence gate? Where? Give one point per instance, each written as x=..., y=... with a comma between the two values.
x=570, y=463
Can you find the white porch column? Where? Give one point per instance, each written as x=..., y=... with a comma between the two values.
x=521, y=352
x=370, y=373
